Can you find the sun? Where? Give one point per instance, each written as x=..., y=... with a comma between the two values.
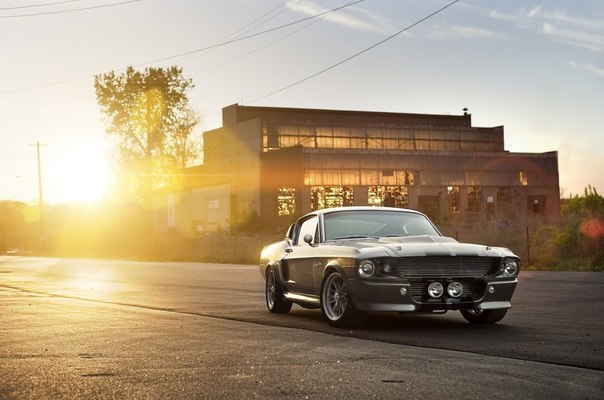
x=80, y=173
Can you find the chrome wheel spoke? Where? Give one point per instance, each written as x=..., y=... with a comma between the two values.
x=270, y=289
x=335, y=297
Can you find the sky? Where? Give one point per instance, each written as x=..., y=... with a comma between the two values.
x=537, y=68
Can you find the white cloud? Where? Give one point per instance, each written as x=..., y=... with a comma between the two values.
x=499, y=15
x=369, y=22
x=591, y=41
x=587, y=67
x=465, y=32
x=533, y=11
x=562, y=16
x=558, y=25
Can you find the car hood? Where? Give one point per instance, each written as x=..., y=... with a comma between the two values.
x=415, y=246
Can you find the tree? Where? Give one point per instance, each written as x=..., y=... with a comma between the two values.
x=149, y=116
x=15, y=231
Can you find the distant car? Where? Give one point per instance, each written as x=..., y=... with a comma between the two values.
x=352, y=260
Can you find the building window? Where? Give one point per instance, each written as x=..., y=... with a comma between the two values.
x=343, y=137
x=350, y=177
x=369, y=177
x=286, y=201
x=347, y=177
x=374, y=197
x=332, y=177
x=313, y=177
x=404, y=177
x=536, y=204
x=387, y=177
x=453, y=199
x=504, y=195
x=272, y=141
x=490, y=206
x=523, y=178
x=388, y=196
x=331, y=196
x=474, y=199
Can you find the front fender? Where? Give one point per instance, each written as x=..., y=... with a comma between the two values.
x=271, y=255
x=344, y=266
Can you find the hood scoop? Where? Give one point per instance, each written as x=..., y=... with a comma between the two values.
x=418, y=239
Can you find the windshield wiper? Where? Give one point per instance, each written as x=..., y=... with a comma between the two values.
x=356, y=237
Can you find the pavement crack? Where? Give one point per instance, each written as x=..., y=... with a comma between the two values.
x=98, y=375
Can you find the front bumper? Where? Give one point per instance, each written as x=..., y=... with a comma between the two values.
x=370, y=295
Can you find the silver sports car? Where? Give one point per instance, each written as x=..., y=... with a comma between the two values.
x=352, y=260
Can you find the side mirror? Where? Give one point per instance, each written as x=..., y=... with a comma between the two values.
x=308, y=238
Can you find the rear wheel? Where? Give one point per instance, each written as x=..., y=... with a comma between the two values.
x=336, y=304
x=275, y=301
x=484, y=316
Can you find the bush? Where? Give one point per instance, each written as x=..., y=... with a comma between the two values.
x=580, y=242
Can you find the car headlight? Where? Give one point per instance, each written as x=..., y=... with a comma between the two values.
x=366, y=268
x=509, y=267
x=387, y=268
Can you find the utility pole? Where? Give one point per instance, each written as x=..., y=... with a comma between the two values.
x=41, y=198
x=40, y=181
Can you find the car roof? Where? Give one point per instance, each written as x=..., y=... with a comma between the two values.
x=362, y=208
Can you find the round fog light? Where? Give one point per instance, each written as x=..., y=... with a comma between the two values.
x=387, y=268
x=435, y=290
x=455, y=289
x=491, y=289
x=403, y=291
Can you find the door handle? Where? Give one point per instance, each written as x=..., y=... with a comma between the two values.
x=288, y=249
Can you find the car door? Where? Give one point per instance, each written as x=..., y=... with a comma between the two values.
x=301, y=257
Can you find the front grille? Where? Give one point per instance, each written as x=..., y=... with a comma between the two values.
x=446, y=266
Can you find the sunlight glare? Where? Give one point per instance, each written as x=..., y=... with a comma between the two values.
x=94, y=284
x=81, y=174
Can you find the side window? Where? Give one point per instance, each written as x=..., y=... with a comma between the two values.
x=308, y=227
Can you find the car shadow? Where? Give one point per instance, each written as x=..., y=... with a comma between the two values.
x=393, y=323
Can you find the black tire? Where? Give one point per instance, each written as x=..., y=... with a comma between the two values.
x=336, y=304
x=275, y=301
x=484, y=316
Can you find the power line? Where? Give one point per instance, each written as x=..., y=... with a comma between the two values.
x=38, y=5
x=252, y=35
x=256, y=22
x=250, y=25
x=70, y=10
x=261, y=47
x=356, y=54
x=188, y=52
x=44, y=85
x=257, y=49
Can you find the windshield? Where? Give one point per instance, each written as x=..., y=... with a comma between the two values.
x=376, y=223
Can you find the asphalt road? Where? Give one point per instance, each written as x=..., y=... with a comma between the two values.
x=118, y=329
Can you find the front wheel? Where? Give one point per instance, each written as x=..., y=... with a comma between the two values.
x=484, y=316
x=275, y=301
x=336, y=304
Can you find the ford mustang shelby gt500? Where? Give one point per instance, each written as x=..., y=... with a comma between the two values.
x=352, y=260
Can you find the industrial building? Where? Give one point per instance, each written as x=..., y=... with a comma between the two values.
x=278, y=163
